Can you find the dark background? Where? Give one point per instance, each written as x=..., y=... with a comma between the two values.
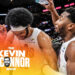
x=42, y=19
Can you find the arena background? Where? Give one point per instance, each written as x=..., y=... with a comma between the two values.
x=42, y=17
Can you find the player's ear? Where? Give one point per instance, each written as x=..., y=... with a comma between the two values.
x=28, y=25
x=71, y=26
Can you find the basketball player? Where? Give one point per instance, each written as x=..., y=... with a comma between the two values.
x=20, y=20
x=65, y=26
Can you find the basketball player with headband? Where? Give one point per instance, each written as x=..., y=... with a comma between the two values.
x=20, y=20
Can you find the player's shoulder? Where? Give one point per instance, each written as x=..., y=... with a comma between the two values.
x=70, y=52
x=72, y=44
x=71, y=47
x=42, y=34
x=43, y=37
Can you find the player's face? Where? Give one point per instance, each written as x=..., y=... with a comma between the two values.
x=20, y=34
x=61, y=23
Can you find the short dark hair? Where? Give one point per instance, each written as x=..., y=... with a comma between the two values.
x=71, y=11
x=19, y=17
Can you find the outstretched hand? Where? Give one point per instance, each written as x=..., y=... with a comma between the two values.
x=50, y=5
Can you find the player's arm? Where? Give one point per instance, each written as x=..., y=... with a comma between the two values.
x=3, y=34
x=52, y=9
x=70, y=53
x=46, y=47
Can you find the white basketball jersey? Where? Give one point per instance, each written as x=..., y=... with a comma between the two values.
x=35, y=54
x=32, y=40
x=61, y=60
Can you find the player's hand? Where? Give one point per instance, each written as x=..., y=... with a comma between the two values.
x=50, y=6
x=3, y=33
